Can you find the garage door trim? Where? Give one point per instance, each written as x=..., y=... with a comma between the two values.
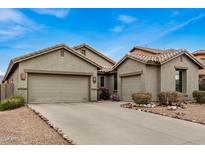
x=58, y=72
x=131, y=74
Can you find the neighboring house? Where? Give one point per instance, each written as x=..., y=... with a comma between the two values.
x=154, y=70
x=79, y=74
x=200, y=55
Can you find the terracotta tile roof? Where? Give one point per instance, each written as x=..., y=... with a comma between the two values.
x=152, y=50
x=159, y=57
x=199, y=52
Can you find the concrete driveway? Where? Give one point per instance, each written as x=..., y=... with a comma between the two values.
x=108, y=123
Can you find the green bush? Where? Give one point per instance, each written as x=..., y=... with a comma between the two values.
x=171, y=98
x=12, y=103
x=142, y=98
x=199, y=96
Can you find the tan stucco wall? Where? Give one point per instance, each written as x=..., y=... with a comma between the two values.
x=168, y=75
x=129, y=66
x=54, y=62
x=152, y=79
x=111, y=83
x=106, y=82
x=96, y=58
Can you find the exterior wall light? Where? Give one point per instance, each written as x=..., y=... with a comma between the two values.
x=94, y=79
x=23, y=76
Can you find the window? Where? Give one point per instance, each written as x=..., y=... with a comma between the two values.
x=102, y=81
x=83, y=51
x=115, y=82
x=178, y=79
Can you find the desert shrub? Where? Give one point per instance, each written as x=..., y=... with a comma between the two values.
x=163, y=98
x=199, y=96
x=142, y=97
x=115, y=97
x=171, y=98
x=12, y=103
x=104, y=94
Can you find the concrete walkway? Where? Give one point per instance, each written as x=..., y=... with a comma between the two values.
x=108, y=123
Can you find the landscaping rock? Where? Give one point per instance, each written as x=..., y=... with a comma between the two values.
x=180, y=113
x=135, y=108
x=149, y=105
x=186, y=111
x=127, y=105
x=183, y=106
x=134, y=105
x=171, y=107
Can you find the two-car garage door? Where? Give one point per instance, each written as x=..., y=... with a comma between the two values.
x=46, y=88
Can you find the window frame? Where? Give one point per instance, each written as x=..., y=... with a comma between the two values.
x=102, y=81
x=115, y=82
x=179, y=81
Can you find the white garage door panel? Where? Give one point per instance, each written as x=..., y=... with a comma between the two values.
x=57, y=88
x=130, y=85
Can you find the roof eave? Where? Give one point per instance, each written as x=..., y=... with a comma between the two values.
x=130, y=57
x=143, y=49
x=120, y=61
x=94, y=50
x=62, y=46
x=8, y=70
x=189, y=55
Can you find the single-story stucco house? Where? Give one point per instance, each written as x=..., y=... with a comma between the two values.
x=155, y=70
x=64, y=74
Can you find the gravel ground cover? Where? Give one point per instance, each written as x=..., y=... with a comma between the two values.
x=23, y=126
x=190, y=112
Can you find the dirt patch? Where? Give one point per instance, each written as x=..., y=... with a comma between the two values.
x=23, y=126
x=191, y=112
